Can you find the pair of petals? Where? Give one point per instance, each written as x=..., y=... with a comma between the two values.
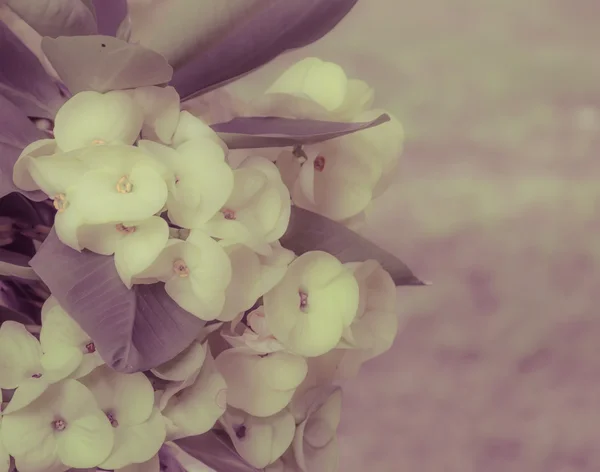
x=260, y=385
x=309, y=309
x=85, y=441
x=260, y=441
x=196, y=273
x=193, y=405
x=61, y=334
x=199, y=179
x=117, y=117
x=313, y=88
x=138, y=426
x=258, y=210
x=25, y=367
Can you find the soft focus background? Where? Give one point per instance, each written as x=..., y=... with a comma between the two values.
x=497, y=366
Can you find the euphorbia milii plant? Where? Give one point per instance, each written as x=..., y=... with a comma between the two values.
x=181, y=283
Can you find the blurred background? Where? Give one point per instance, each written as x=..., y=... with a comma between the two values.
x=497, y=365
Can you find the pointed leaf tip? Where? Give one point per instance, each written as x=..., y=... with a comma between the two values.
x=262, y=132
x=309, y=231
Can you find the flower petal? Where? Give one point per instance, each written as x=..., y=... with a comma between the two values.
x=112, y=117
x=21, y=175
x=160, y=106
x=28, y=391
x=183, y=365
x=129, y=397
x=86, y=442
x=136, y=444
x=138, y=250
x=104, y=63
x=20, y=354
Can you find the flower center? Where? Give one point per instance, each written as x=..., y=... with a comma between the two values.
x=90, y=348
x=96, y=142
x=319, y=163
x=303, y=300
x=121, y=228
x=59, y=424
x=36, y=376
x=113, y=420
x=124, y=185
x=177, y=180
x=228, y=214
x=60, y=202
x=240, y=431
x=180, y=268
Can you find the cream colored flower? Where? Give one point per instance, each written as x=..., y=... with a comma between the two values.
x=199, y=179
x=260, y=441
x=315, y=443
x=255, y=335
x=127, y=400
x=260, y=384
x=313, y=88
x=196, y=273
x=62, y=338
x=309, y=309
x=258, y=210
x=193, y=406
x=160, y=109
x=63, y=426
x=24, y=367
x=135, y=245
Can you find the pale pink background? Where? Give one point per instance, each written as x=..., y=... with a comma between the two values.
x=497, y=366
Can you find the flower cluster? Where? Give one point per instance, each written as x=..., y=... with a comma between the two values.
x=130, y=175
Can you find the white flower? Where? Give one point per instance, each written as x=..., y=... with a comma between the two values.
x=261, y=441
x=160, y=108
x=315, y=443
x=91, y=117
x=261, y=385
x=135, y=245
x=253, y=276
x=309, y=309
x=23, y=365
x=191, y=127
x=63, y=426
x=194, y=406
x=196, y=273
x=256, y=335
x=316, y=89
x=61, y=334
x=218, y=106
x=94, y=185
x=374, y=329
x=127, y=401
x=199, y=181
x=258, y=210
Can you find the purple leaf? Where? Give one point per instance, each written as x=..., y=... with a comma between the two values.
x=262, y=132
x=16, y=132
x=245, y=35
x=104, y=63
x=215, y=450
x=309, y=231
x=134, y=330
x=109, y=14
x=24, y=81
x=168, y=463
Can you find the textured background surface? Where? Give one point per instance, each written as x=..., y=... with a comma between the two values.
x=497, y=366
